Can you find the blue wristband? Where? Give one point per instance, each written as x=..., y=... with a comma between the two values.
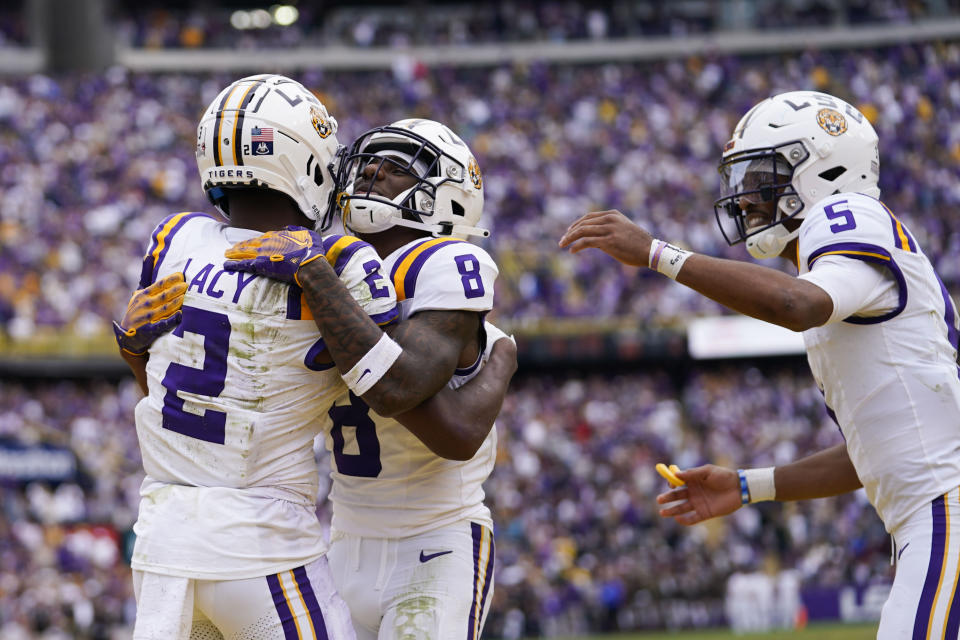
x=744, y=489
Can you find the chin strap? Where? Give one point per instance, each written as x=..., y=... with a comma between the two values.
x=397, y=220
x=448, y=230
x=771, y=242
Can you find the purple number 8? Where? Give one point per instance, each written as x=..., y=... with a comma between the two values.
x=366, y=462
x=469, y=268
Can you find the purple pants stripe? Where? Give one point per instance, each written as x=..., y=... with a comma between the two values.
x=471, y=620
x=487, y=581
x=479, y=592
x=283, y=609
x=310, y=599
x=953, y=614
x=934, y=570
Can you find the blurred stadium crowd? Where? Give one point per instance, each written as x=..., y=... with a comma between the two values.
x=89, y=164
x=588, y=553
x=99, y=160
x=506, y=21
x=161, y=25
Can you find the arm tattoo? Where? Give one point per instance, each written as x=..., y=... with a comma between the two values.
x=347, y=330
x=432, y=341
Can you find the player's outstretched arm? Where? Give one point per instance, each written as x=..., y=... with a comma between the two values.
x=611, y=232
x=454, y=423
x=151, y=312
x=760, y=292
x=711, y=491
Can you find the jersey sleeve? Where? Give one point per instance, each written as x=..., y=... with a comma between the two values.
x=161, y=240
x=855, y=287
x=449, y=275
x=360, y=270
x=853, y=226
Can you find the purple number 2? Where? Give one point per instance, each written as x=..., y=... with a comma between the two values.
x=208, y=381
x=372, y=269
x=834, y=214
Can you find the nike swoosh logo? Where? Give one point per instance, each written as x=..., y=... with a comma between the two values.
x=297, y=241
x=365, y=372
x=902, y=550
x=426, y=557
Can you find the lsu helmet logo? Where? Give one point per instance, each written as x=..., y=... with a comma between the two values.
x=320, y=122
x=831, y=121
x=475, y=175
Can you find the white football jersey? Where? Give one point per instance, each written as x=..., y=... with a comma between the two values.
x=386, y=483
x=891, y=380
x=235, y=401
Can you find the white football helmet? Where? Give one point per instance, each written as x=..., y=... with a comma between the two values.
x=793, y=149
x=446, y=200
x=268, y=131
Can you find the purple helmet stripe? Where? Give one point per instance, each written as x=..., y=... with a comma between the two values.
x=868, y=253
x=931, y=584
x=283, y=609
x=217, y=159
x=310, y=599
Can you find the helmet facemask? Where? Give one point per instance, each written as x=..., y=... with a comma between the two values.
x=760, y=176
x=434, y=202
x=818, y=145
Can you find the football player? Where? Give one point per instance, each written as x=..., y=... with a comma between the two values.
x=412, y=542
x=799, y=180
x=238, y=385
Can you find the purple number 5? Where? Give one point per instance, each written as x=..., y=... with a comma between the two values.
x=836, y=214
x=208, y=381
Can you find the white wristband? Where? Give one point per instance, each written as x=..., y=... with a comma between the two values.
x=371, y=367
x=667, y=258
x=760, y=484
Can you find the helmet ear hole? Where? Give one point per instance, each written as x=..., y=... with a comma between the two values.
x=457, y=208
x=833, y=173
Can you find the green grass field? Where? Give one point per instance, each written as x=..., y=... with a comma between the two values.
x=818, y=631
